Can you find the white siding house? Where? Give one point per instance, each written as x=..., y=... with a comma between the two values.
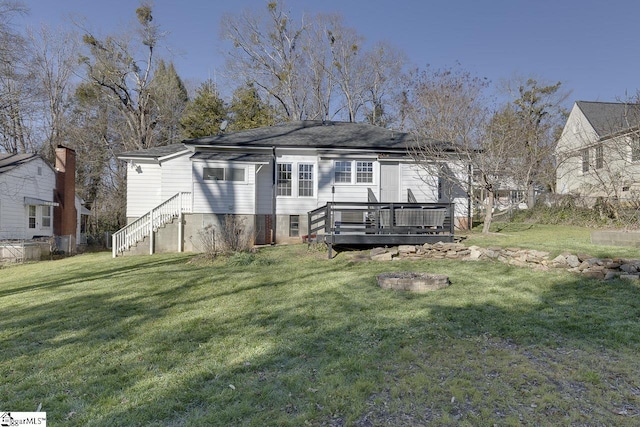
x=27, y=185
x=598, y=152
x=274, y=176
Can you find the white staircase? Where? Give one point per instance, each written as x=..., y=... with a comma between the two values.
x=147, y=224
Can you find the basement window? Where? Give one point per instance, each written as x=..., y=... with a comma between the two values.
x=294, y=225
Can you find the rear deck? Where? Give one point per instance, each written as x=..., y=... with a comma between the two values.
x=381, y=224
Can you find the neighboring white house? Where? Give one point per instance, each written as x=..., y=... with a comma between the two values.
x=38, y=202
x=279, y=172
x=27, y=184
x=598, y=153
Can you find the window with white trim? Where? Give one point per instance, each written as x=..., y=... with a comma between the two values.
x=32, y=216
x=305, y=180
x=342, y=172
x=585, y=160
x=284, y=179
x=364, y=172
x=224, y=174
x=599, y=156
x=46, y=216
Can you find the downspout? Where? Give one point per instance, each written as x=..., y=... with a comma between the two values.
x=274, y=192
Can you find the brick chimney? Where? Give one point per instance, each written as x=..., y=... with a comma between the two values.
x=64, y=216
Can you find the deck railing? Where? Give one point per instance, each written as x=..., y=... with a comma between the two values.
x=157, y=217
x=381, y=218
x=381, y=223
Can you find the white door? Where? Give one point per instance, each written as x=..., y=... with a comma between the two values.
x=389, y=182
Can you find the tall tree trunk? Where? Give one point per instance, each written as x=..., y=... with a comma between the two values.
x=531, y=195
x=488, y=211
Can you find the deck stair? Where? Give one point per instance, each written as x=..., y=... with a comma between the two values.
x=149, y=223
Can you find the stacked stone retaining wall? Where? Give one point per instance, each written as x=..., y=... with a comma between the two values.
x=586, y=265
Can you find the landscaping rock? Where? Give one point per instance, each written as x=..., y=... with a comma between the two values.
x=386, y=256
x=378, y=251
x=407, y=249
x=610, y=275
x=573, y=261
x=629, y=268
x=585, y=265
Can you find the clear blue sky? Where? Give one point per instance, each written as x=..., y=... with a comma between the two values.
x=590, y=46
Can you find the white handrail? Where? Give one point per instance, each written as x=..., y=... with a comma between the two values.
x=142, y=227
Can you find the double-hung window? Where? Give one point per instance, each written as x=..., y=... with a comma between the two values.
x=342, y=172
x=364, y=172
x=599, y=157
x=284, y=179
x=32, y=216
x=305, y=180
x=585, y=160
x=46, y=216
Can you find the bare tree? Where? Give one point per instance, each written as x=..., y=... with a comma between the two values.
x=17, y=91
x=125, y=79
x=318, y=68
x=270, y=52
x=539, y=114
x=383, y=82
x=54, y=64
x=457, y=135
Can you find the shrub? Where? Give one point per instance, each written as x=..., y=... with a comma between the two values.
x=207, y=238
x=231, y=236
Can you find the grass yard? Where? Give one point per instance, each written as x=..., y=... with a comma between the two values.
x=287, y=337
x=551, y=238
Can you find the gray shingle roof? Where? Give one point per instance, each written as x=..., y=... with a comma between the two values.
x=233, y=157
x=610, y=117
x=154, y=152
x=11, y=161
x=311, y=134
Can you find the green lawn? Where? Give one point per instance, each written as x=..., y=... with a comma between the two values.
x=288, y=337
x=551, y=238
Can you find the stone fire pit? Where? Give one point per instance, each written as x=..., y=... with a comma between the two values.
x=411, y=281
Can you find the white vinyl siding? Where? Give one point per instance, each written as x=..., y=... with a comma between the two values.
x=176, y=176
x=344, y=191
x=143, y=188
x=15, y=185
x=297, y=204
x=423, y=186
x=224, y=197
